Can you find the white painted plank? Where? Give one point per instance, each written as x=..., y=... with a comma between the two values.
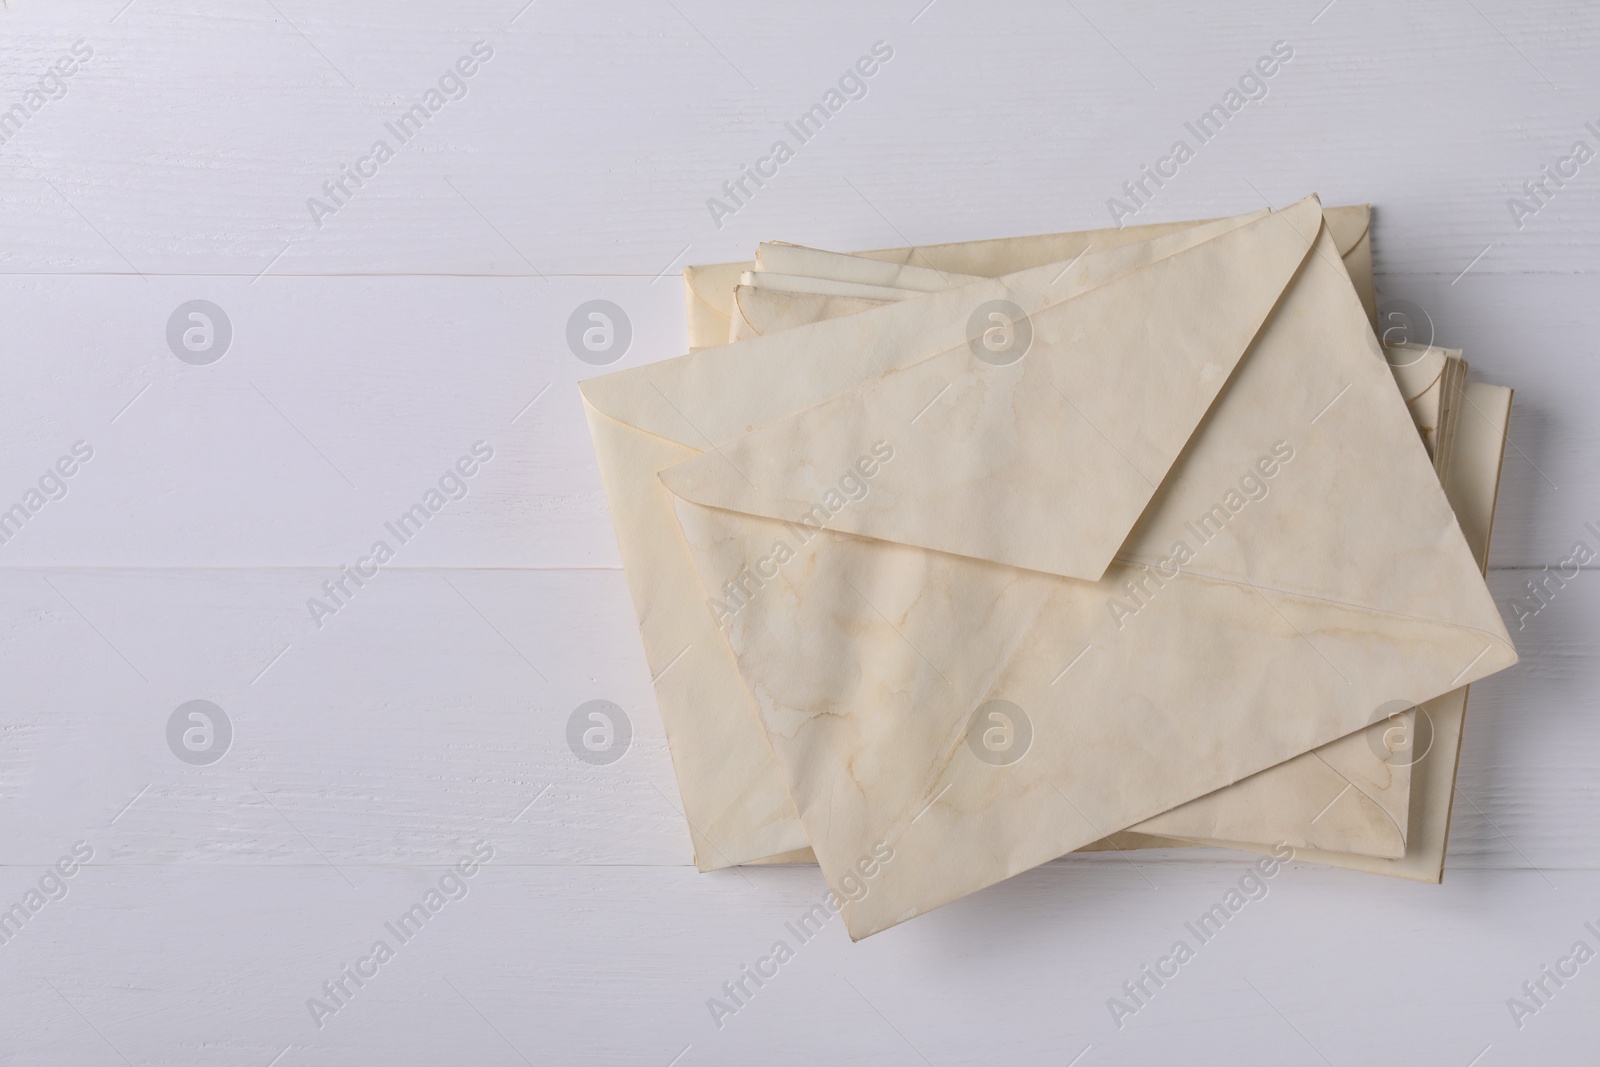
x=188, y=966
x=553, y=163
x=338, y=404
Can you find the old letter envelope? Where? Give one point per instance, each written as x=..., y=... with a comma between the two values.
x=1115, y=447
x=1389, y=809
x=1370, y=786
x=1352, y=795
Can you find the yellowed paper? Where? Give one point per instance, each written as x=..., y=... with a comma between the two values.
x=930, y=624
x=1351, y=795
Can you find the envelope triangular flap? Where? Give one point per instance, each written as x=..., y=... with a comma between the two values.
x=1042, y=461
x=1285, y=438
x=716, y=394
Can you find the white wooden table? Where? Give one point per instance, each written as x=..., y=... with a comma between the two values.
x=376, y=339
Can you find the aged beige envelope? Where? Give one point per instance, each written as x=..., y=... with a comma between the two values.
x=649, y=418
x=874, y=653
x=1351, y=795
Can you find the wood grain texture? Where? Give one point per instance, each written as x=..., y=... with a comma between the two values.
x=199, y=967
x=1042, y=114
x=429, y=312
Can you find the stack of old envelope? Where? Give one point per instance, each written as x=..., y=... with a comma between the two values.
x=952, y=560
